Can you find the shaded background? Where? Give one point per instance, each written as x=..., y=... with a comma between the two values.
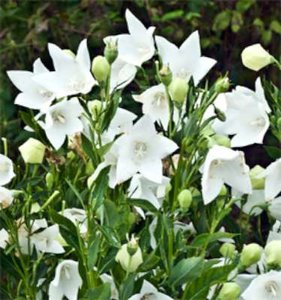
x=225, y=27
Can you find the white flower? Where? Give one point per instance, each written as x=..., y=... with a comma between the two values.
x=142, y=188
x=254, y=201
x=246, y=116
x=264, y=287
x=275, y=208
x=255, y=57
x=141, y=150
x=149, y=292
x=138, y=46
x=155, y=104
x=108, y=279
x=185, y=61
x=46, y=241
x=62, y=120
x=72, y=73
x=77, y=215
x=33, y=95
x=4, y=237
x=67, y=281
x=6, y=197
x=273, y=179
x=6, y=170
x=224, y=165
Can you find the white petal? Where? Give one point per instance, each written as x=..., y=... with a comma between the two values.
x=203, y=67
x=273, y=179
x=152, y=170
x=135, y=26
x=38, y=67
x=23, y=80
x=125, y=169
x=83, y=56
x=59, y=57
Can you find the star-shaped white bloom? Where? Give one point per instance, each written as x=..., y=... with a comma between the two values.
x=6, y=197
x=246, y=116
x=72, y=73
x=4, y=238
x=141, y=150
x=6, y=170
x=273, y=180
x=224, y=165
x=155, y=104
x=67, y=281
x=33, y=95
x=62, y=119
x=138, y=46
x=46, y=241
x=149, y=292
x=264, y=287
x=142, y=188
x=186, y=61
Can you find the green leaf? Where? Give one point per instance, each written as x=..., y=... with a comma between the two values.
x=273, y=152
x=236, y=21
x=127, y=287
x=110, y=235
x=173, y=15
x=93, y=253
x=102, y=292
x=143, y=204
x=222, y=21
x=207, y=238
x=150, y=262
x=275, y=26
x=244, y=5
x=185, y=270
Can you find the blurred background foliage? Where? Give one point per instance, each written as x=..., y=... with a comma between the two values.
x=225, y=27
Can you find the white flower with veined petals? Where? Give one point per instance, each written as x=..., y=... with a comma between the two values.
x=224, y=165
x=273, y=180
x=6, y=197
x=155, y=104
x=264, y=287
x=6, y=170
x=62, y=119
x=149, y=292
x=141, y=150
x=72, y=73
x=138, y=46
x=33, y=95
x=67, y=281
x=142, y=188
x=46, y=241
x=246, y=116
x=4, y=238
x=185, y=61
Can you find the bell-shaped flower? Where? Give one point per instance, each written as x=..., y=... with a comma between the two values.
x=67, y=281
x=141, y=150
x=264, y=287
x=138, y=46
x=142, y=188
x=108, y=279
x=77, y=216
x=246, y=116
x=72, y=73
x=224, y=165
x=149, y=292
x=6, y=170
x=4, y=238
x=155, y=104
x=47, y=241
x=273, y=180
x=62, y=120
x=185, y=62
x=6, y=197
x=33, y=95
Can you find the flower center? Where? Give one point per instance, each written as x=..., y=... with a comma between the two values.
x=140, y=149
x=58, y=117
x=65, y=272
x=260, y=122
x=76, y=85
x=183, y=73
x=45, y=93
x=147, y=296
x=159, y=98
x=272, y=288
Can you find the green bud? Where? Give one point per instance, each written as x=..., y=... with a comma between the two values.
x=185, y=199
x=69, y=53
x=165, y=75
x=223, y=191
x=273, y=253
x=95, y=108
x=178, y=90
x=32, y=151
x=222, y=85
x=250, y=255
x=131, y=218
x=49, y=178
x=195, y=192
x=256, y=177
x=222, y=140
x=227, y=250
x=100, y=68
x=111, y=50
x=132, y=246
x=229, y=291
x=220, y=114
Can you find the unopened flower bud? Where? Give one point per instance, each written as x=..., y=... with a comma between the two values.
x=229, y=291
x=111, y=50
x=222, y=140
x=227, y=250
x=178, y=90
x=49, y=180
x=69, y=53
x=220, y=114
x=32, y=151
x=256, y=177
x=95, y=108
x=132, y=246
x=255, y=57
x=185, y=199
x=250, y=255
x=222, y=85
x=273, y=253
x=100, y=68
x=223, y=191
x=165, y=75
x=129, y=262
